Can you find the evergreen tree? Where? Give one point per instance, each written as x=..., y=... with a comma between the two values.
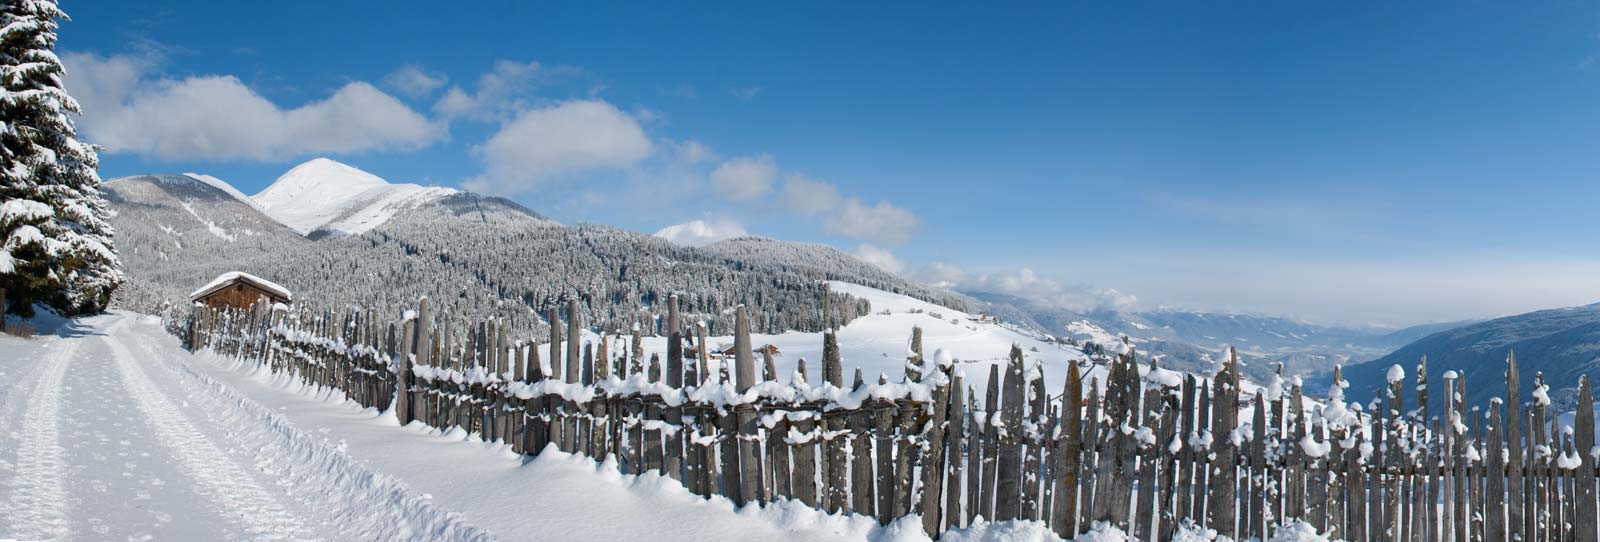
x=55, y=243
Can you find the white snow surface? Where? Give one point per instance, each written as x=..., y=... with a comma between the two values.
x=222, y=185
x=877, y=343
x=109, y=430
x=326, y=194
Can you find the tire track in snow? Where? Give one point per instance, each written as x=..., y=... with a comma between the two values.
x=243, y=500
x=363, y=503
x=38, y=501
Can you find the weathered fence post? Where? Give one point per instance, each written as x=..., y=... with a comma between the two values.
x=933, y=469
x=749, y=454
x=1063, y=516
x=1584, y=443
x=1008, y=492
x=955, y=443
x=1225, y=415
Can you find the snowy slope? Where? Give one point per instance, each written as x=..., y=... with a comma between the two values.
x=878, y=343
x=222, y=185
x=323, y=194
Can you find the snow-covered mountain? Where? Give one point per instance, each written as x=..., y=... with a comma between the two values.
x=325, y=197
x=337, y=236
x=1561, y=343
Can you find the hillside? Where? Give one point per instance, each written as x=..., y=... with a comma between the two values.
x=475, y=256
x=1561, y=343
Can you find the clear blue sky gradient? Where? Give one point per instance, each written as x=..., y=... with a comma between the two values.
x=1384, y=162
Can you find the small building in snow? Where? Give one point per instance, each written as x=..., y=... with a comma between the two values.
x=764, y=349
x=240, y=290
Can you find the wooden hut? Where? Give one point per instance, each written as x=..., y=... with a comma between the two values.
x=240, y=290
x=730, y=351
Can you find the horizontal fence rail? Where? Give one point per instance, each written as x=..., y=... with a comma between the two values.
x=1147, y=451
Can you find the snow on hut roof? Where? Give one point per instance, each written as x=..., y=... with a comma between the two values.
x=227, y=278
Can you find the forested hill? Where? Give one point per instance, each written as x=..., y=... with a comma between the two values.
x=1561, y=343
x=474, y=256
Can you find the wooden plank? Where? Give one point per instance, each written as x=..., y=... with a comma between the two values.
x=1202, y=456
x=1540, y=461
x=778, y=455
x=1457, y=433
x=805, y=460
x=1393, y=516
x=1008, y=491
x=1257, y=517
x=1038, y=410
x=1495, y=478
x=1220, y=491
x=674, y=344
x=906, y=457
x=732, y=476
x=837, y=492
x=574, y=322
x=1188, y=414
x=883, y=435
x=1317, y=479
x=1145, y=516
x=1064, y=513
x=955, y=447
x=1518, y=526
x=934, y=467
x=1355, y=490
x=991, y=439
x=1583, y=441
x=862, y=495
x=1477, y=477
x=752, y=489
x=1166, y=436
x=974, y=474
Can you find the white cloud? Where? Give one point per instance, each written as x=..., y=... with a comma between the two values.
x=808, y=196
x=883, y=223
x=563, y=138
x=1027, y=284
x=693, y=152
x=412, y=81
x=743, y=178
x=879, y=257
x=941, y=274
x=217, y=117
x=506, y=90
x=701, y=232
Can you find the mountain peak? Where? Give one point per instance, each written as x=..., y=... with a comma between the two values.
x=317, y=191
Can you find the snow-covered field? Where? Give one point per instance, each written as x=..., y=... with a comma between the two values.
x=110, y=431
x=878, y=343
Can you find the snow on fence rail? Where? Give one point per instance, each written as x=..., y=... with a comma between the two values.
x=1144, y=452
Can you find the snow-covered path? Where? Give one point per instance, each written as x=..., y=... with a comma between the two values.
x=103, y=436
x=110, y=431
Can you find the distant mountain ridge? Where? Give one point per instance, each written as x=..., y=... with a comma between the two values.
x=1562, y=343
x=1195, y=340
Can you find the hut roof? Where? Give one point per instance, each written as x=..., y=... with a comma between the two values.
x=231, y=277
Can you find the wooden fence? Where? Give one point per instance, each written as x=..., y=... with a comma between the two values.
x=1150, y=452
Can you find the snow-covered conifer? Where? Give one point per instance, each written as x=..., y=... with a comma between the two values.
x=55, y=243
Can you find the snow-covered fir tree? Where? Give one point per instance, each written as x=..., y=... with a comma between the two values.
x=55, y=242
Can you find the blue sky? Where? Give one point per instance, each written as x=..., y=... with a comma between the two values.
x=1386, y=163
